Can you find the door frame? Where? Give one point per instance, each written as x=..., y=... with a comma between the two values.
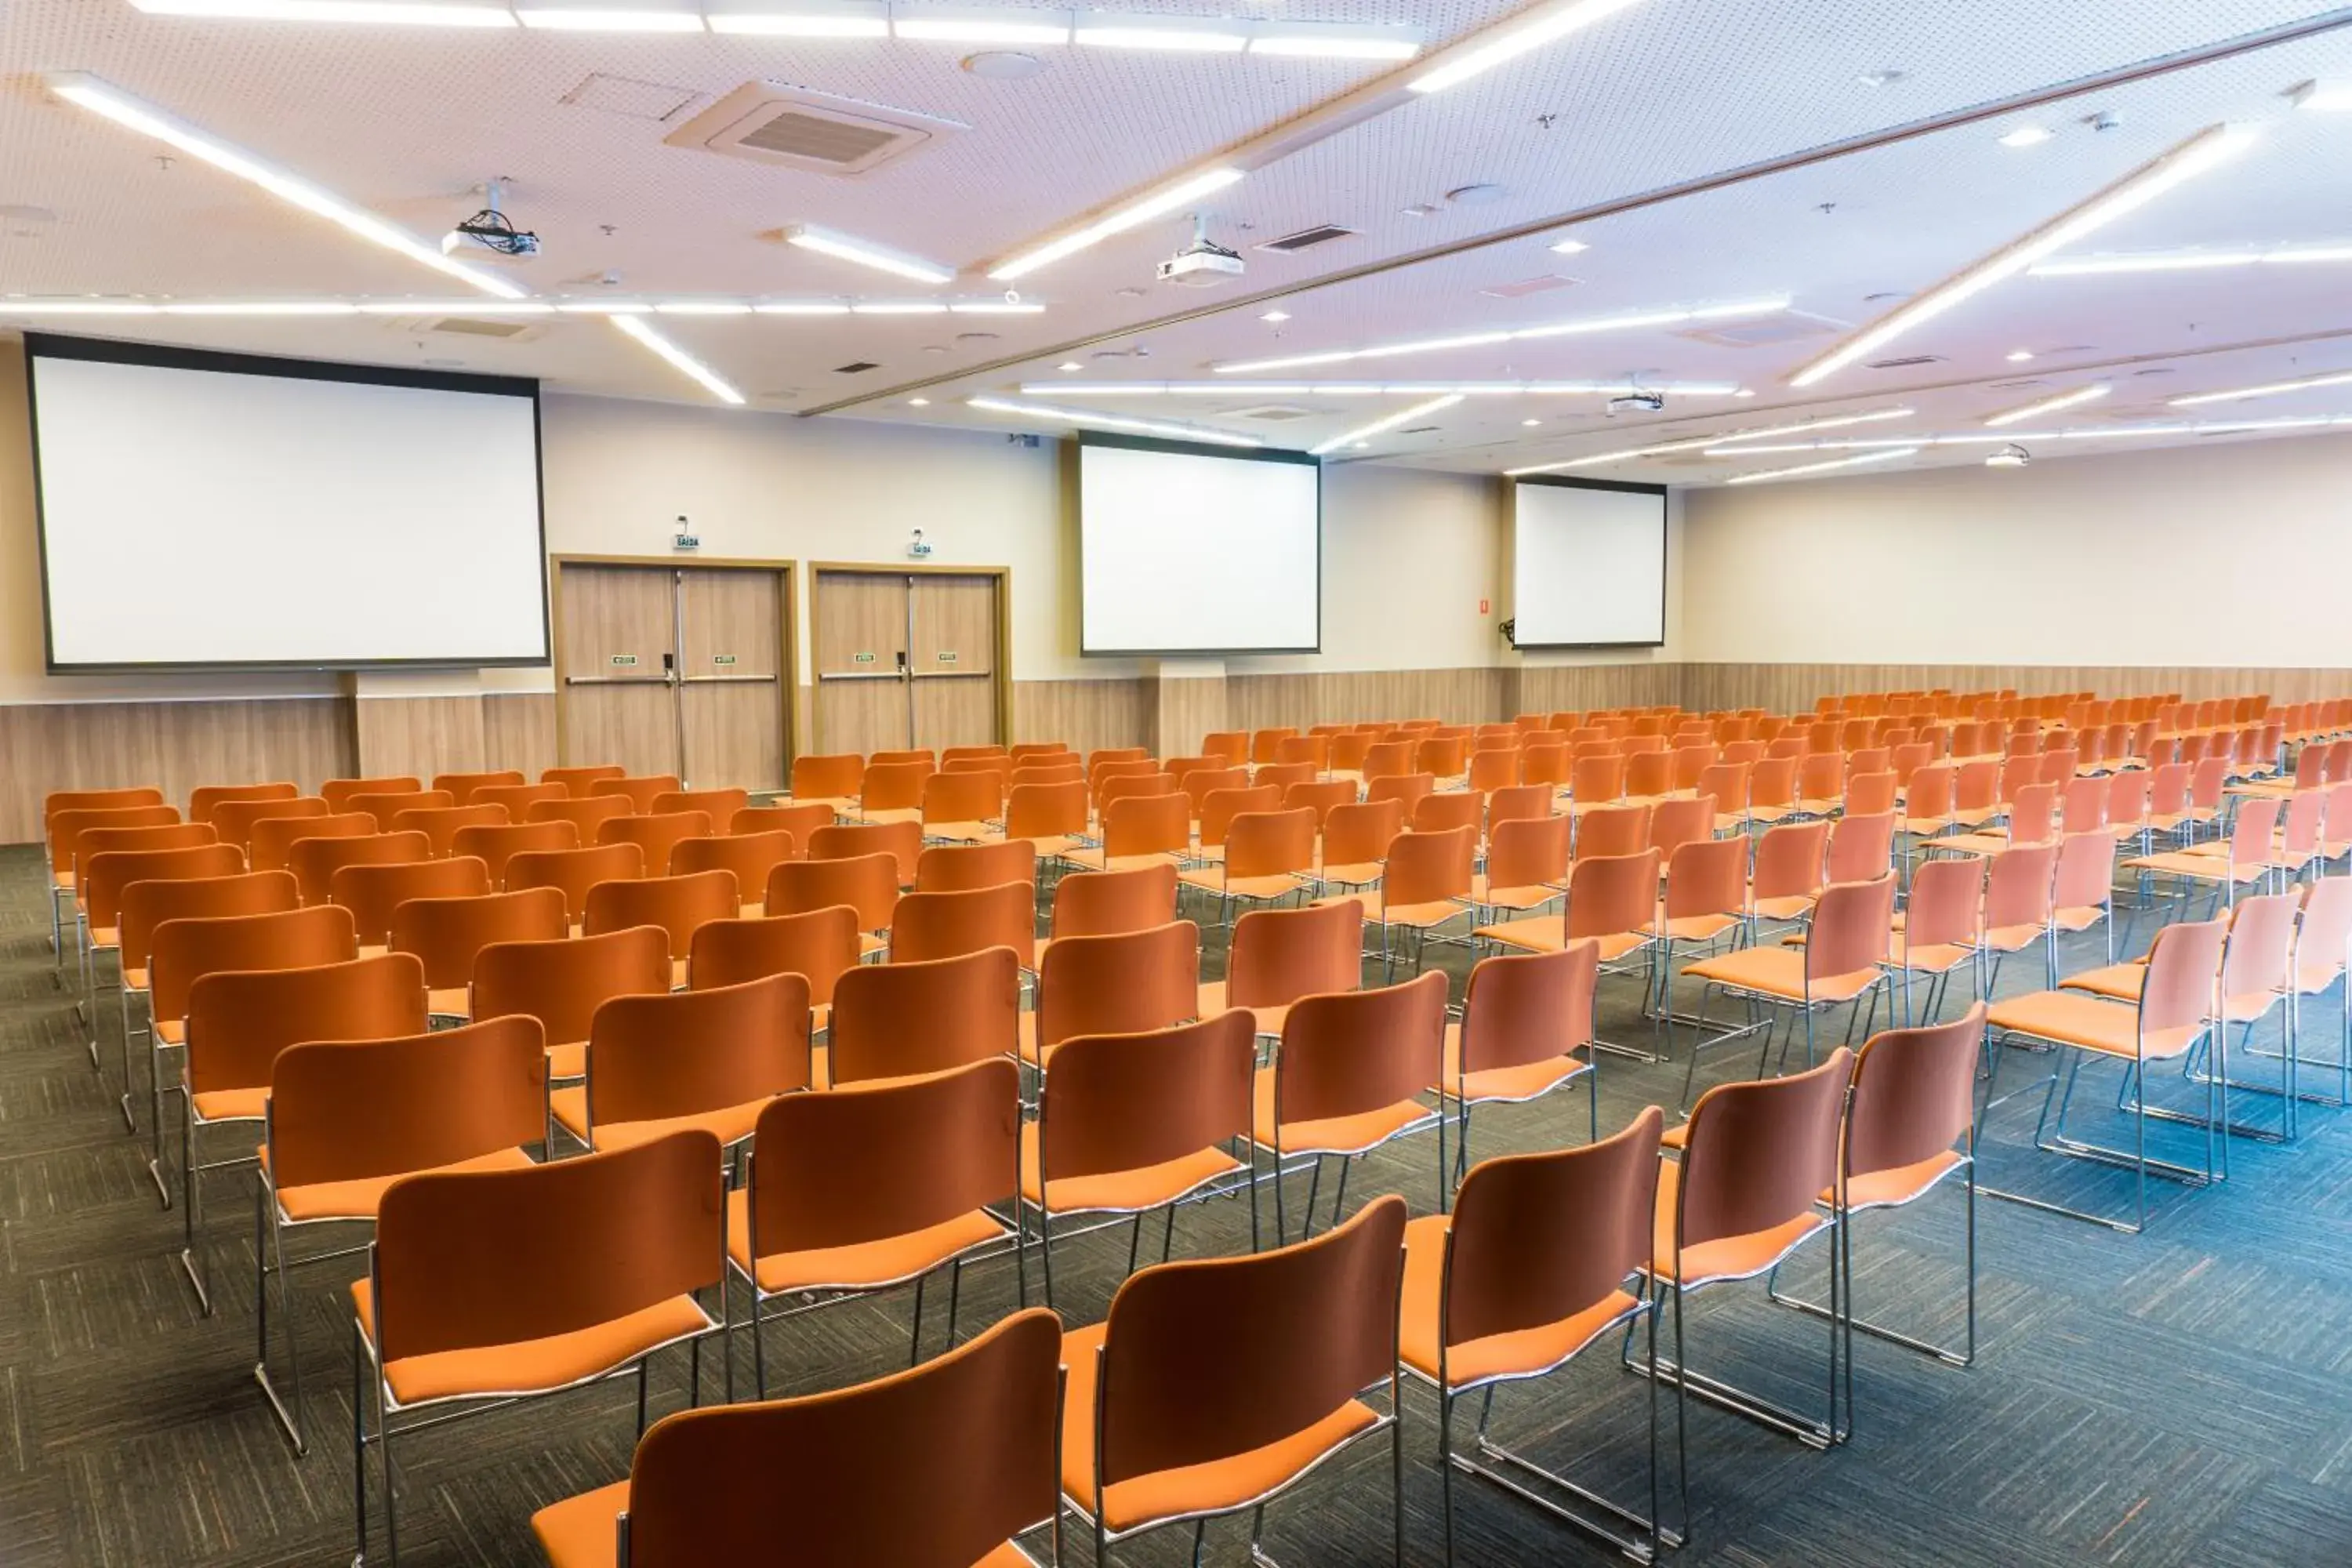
x=787, y=574
x=1002, y=672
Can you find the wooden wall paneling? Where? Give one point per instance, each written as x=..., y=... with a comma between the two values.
x=1085, y=714
x=1469, y=696
x=734, y=633
x=1557, y=687
x=419, y=735
x=174, y=745
x=1791, y=687
x=519, y=731
x=1185, y=708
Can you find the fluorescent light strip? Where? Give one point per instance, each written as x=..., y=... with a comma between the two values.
x=1390, y=388
x=1834, y=422
x=1112, y=422
x=361, y=11
x=1184, y=41
x=900, y=308
x=604, y=307
x=1387, y=422
x=596, y=19
x=835, y=19
x=1514, y=40
x=455, y=308
x=2094, y=433
x=701, y=308
x=865, y=253
x=951, y=30
x=996, y=308
x=1822, y=468
x=2075, y=398
x=682, y=360
x=1481, y=340
x=799, y=308
x=1362, y=46
x=2200, y=153
x=101, y=98
x=2188, y=260
x=1151, y=206
x=2273, y=390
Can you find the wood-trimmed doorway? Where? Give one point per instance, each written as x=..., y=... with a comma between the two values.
x=910, y=655
x=676, y=666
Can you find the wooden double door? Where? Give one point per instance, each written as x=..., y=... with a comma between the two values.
x=683, y=670
x=909, y=658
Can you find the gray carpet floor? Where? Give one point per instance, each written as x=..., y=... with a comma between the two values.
x=2183, y=1397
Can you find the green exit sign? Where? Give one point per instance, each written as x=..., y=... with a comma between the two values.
x=945, y=658
x=624, y=661
x=722, y=658
x=861, y=658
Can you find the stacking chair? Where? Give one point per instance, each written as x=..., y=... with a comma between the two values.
x=204, y=797
x=495, y=844
x=711, y=1060
x=573, y=871
x=1267, y=856
x=2033, y=818
x=562, y=982
x=345, y=1119
x=1448, y=809
x=958, y=806
x=148, y=903
x=926, y=926
x=876, y=1186
x=1525, y=1017
x=1216, y=1385
x=594, y=1264
x=892, y=791
x=2083, y=892
x=1102, y=903
x=831, y=782
x=1051, y=817
x=1407, y=790
x=799, y=818
x=516, y=800
x=1705, y=903
x=1942, y=929
x=461, y=787
x=386, y=804
x=1128, y=1122
x=749, y=856
x=1278, y=956
x=719, y=804
x=1137, y=830
x=1789, y=872
x=2243, y=859
x=237, y=1023
x=943, y=1464
x=1613, y=900
x=640, y=791
x=1130, y=983
x=1611, y=830
x=1860, y=846
x=819, y=946
x=586, y=813
x=909, y=1020
x=111, y=860
x=1348, y=1078
x=1213, y=813
x=1842, y=963
x=1425, y=885
x=576, y=781
x=901, y=840
x=2323, y=955
x=1526, y=868
x=441, y=824
x=956, y=867
x=315, y=861
x=655, y=836
x=867, y=883
x=447, y=930
x=339, y=793
x=1355, y=843
x=2176, y=1010
x=232, y=819
x=1528, y=1271
x=270, y=847
x=678, y=905
x=371, y=891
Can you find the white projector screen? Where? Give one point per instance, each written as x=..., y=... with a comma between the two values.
x=203, y=510
x=1589, y=565
x=1196, y=550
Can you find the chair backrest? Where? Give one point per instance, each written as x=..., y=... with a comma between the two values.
x=799, y=818
x=640, y=792
x=562, y=982
x=148, y=904
x=2299, y=830
x=719, y=804
x=2250, y=835
x=749, y=856
x=238, y=1020
x=270, y=847
x=1947, y=902
x=1359, y=835
x=895, y=1020
x=1527, y=1007
x=1914, y=1094
x=518, y=799
x=819, y=945
x=577, y=781
x=1321, y=796
x=461, y=787
x=902, y=841
x=1860, y=847
x=1127, y=983
x=1613, y=895
x=1386, y=758
x=1674, y=822
x=942, y=1464
x=1870, y=795
x=926, y=926
x=1347, y=1052
x=315, y=861
x=441, y=824
x=867, y=883
x=1278, y=956
x=2257, y=956
x=106, y=875
x=586, y=813
x=1209, y=1360
x=1429, y=868
x=1448, y=809
x=655, y=836
x=573, y=871
x=1270, y=843
x=1197, y=784
x=2085, y=876
x=1113, y=786
x=1852, y=928
x=2323, y=940
x=384, y=806
x=445, y=932
x=1406, y=789
x=1536, y=1239
x=962, y=797
x=689, y=1053
x=1146, y=825
x=1054, y=810
x=474, y=1259
x=834, y=777
x=2184, y=967
x=1597, y=778
x=1649, y=773
x=372, y=891
x=2020, y=885
x=232, y=819
x=1790, y=861
x=1527, y=852
x=1124, y=1102
x=1759, y=1154
x=680, y=905
x=183, y=951
x=495, y=844
x=339, y=793
x=203, y=797
x=1708, y=877
x=354, y=1110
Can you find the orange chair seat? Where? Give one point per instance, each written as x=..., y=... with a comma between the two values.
x=1792, y=907
x=729, y=1124
x=1354, y=1134
x=105, y=936
x=892, y=813
x=2080, y=917
x=1895, y=1185
x=232, y=1104
x=568, y=1059
x=1510, y=1084
x=1276, y=886
x=1699, y=928
x=1548, y=933
x=1212, y=1487
x=2090, y=1023
x=1435, y=912
x=451, y=1002
x=1778, y=972
x=1925, y=827
x=61, y=880
x=1521, y=1353
x=1726, y=1258
x=135, y=979
x=579, y=1532
x=861, y=1266
x=2120, y=980
x=868, y=944
x=171, y=1031
x=1270, y=1015
x=2314, y=972
x=532, y=1367
x=958, y=832
x=1095, y=860
x=1126, y=1192
x=2197, y=868
x=1051, y=844
x=1973, y=843
x=2013, y=938
x=359, y=1198
x=1350, y=874
x=1935, y=958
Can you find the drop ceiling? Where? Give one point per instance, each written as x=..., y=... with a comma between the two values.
x=408, y=122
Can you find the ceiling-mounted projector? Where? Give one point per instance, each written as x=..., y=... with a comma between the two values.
x=1638, y=403
x=1201, y=264
x=489, y=236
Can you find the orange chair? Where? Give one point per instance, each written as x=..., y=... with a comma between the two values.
x=960, y=867
x=907, y=1020
x=204, y=797
x=1425, y=885
x=461, y=786
x=1524, y=1017
x=1267, y=856
x=959, y=806
x=749, y=856
x=1138, y=830
x=1104, y=903
x=271, y=846
x=719, y=804
x=655, y=836
x=828, y=781
x=575, y=871
x=441, y=825
x=1278, y=956
x=339, y=793
x=902, y=841
x=347, y=1119
x=1527, y=867
x=1942, y=926
x=1527, y=1273
x=678, y=905
x=867, y=883
x=1842, y=963
x=372, y=891
x=587, y=815
x=1053, y=817
x=1217, y=1385
x=1356, y=844
x=447, y=931
x=944, y=1463
x=516, y=799
x=1789, y=873
x=893, y=790
x=1611, y=830
x=149, y=902
x=640, y=791
x=495, y=844
x=819, y=946
x=1130, y=982
x=576, y=781
x=926, y=926
x=1128, y=1122
x=315, y=861
x=800, y=820
x=1214, y=810
x=593, y=1263
x=385, y=804
x=563, y=982
x=709, y=1060
x=876, y=1186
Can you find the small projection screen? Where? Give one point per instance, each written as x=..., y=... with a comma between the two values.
x=1589, y=563
x=1188, y=549
x=203, y=510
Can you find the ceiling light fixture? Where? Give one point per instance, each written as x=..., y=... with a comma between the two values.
x=2087, y=432
x=1333, y=41
x=918, y=403
x=800, y=308
x=995, y=308
x=1568, y=248
x=86, y=92
x=1363, y=433
x=2188, y=260
x=823, y=19
x=899, y=308
x=2272, y=389
x=1482, y=339
x=1112, y=422
x=604, y=307
x=1549, y=23
x=389, y=12
x=680, y=360
x=2075, y=398
x=578, y=17
x=1403, y=388
x=1168, y=37
x=964, y=25
x=2026, y=136
x=1275, y=315
x=1836, y=421
x=701, y=308
x=2018, y=356
x=2196, y=155
x=1822, y=468
x=1118, y=221
x=865, y=253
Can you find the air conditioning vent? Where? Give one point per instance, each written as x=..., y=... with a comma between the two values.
x=856, y=367
x=478, y=327
x=1271, y=411
x=1322, y=232
x=771, y=122
x=1906, y=363
x=1787, y=327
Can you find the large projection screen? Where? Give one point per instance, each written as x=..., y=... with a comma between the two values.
x=1589, y=563
x=1197, y=550
x=202, y=510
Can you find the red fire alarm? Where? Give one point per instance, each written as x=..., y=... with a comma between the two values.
x=1482, y=606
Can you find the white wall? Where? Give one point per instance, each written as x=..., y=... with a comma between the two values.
x=2227, y=554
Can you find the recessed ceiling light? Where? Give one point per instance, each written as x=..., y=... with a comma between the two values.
x=628, y=16
x=918, y=403
x=944, y=26
x=1169, y=35
x=2026, y=136
x=1359, y=446
x=1003, y=65
x=1069, y=364
x=1275, y=315
x=1568, y=247
x=788, y=19
x=1334, y=41
x=1530, y=423
x=2019, y=356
